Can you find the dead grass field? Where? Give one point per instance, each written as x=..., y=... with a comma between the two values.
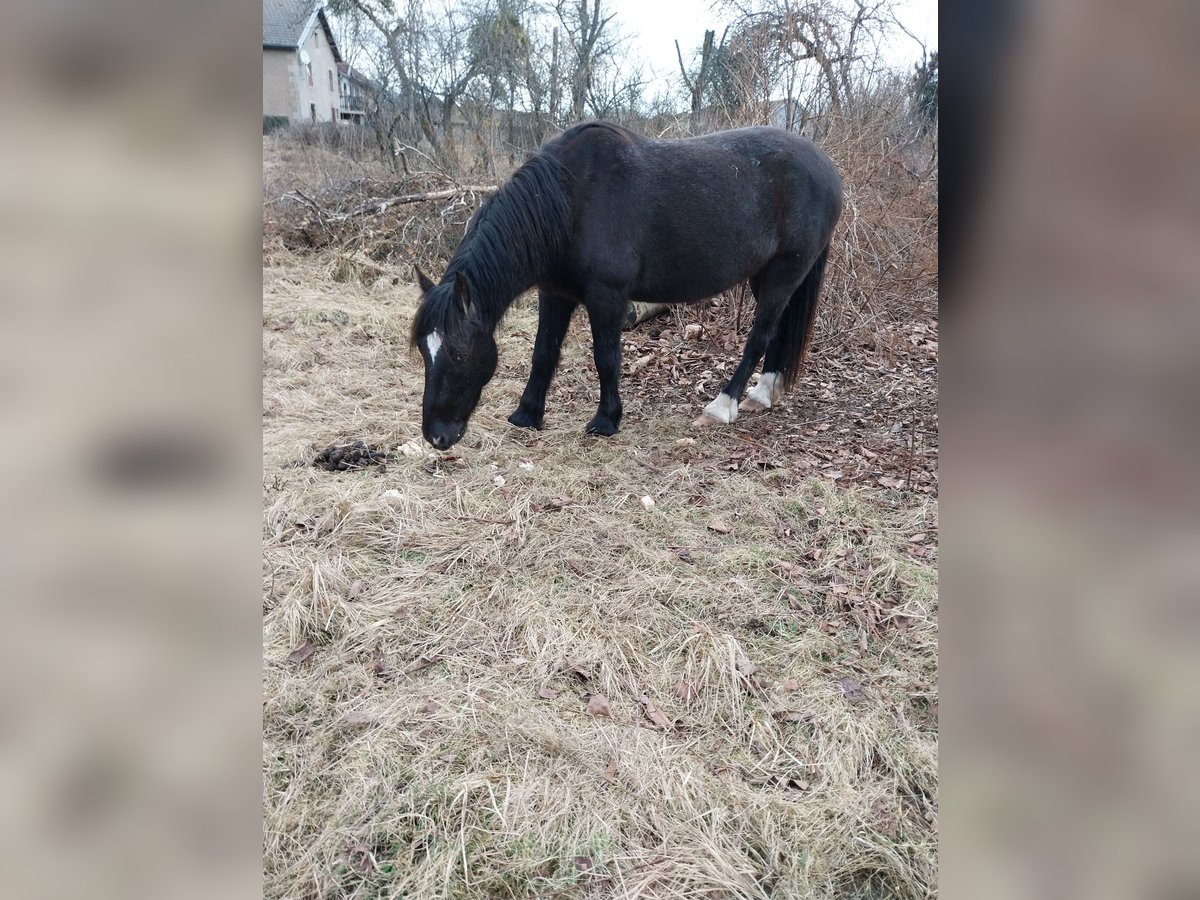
x=436, y=632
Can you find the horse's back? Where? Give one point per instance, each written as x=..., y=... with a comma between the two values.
x=684, y=219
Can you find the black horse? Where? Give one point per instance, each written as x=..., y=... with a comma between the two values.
x=599, y=216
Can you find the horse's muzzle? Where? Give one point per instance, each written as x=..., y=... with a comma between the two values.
x=443, y=436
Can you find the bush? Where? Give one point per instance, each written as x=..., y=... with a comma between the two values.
x=347, y=139
x=274, y=123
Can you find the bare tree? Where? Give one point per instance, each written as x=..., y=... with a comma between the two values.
x=584, y=28
x=778, y=44
x=697, y=84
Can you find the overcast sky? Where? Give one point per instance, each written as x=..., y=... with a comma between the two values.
x=653, y=26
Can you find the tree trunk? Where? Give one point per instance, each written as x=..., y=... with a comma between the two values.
x=637, y=312
x=555, y=82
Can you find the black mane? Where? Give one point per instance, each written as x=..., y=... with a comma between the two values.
x=506, y=247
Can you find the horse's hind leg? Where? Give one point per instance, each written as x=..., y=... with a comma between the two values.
x=554, y=317
x=773, y=287
x=784, y=359
x=769, y=388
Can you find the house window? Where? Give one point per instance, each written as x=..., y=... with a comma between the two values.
x=312, y=111
x=331, y=79
x=310, y=78
x=333, y=116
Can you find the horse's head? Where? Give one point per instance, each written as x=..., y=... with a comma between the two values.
x=460, y=358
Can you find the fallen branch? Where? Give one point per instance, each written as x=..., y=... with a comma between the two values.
x=377, y=207
x=380, y=206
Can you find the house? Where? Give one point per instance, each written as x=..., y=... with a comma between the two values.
x=300, y=64
x=353, y=92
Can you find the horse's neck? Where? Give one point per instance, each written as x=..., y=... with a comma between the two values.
x=493, y=292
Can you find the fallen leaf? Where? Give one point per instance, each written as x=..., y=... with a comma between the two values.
x=792, y=716
x=498, y=481
x=355, y=591
x=851, y=688
x=357, y=718
x=718, y=526
x=583, y=863
x=640, y=364
x=382, y=669
x=917, y=538
x=575, y=669
x=745, y=667
x=685, y=690
x=610, y=773
x=303, y=652
x=598, y=706
x=654, y=714
x=790, y=684
x=431, y=708
x=799, y=784
x=547, y=694
x=685, y=555
x=447, y=757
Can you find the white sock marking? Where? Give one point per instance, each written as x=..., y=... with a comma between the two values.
x=723, y=409
x=767, y=391
x=434, y=342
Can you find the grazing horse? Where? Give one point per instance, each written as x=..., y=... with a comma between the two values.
x=600, y=216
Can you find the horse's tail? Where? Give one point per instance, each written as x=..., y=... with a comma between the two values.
x=795, y=328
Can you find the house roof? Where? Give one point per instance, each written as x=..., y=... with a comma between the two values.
x=352, y=73
x=286, y=23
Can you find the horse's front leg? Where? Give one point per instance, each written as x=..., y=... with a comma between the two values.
x=606, y=309
x=554, y=317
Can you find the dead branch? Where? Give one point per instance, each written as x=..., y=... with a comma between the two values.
x=379, y=206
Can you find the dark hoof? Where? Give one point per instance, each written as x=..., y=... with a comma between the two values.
x=524, y=419
x=602, y=426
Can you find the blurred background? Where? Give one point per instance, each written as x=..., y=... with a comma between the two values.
x=130, y=382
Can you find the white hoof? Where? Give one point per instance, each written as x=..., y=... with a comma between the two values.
x=764, y=394
x=722, y=411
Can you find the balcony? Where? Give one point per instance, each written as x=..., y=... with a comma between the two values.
x=352, y=103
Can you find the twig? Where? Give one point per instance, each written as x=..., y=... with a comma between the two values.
x=912, y=445
x=485, y=521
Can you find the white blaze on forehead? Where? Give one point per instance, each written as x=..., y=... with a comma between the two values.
x=434, y=342
x=767, y=390
x=724, y=409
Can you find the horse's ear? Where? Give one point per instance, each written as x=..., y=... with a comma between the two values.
x=462, y=293
x=425, y=283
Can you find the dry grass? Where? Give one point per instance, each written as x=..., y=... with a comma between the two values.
x=793, y=657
